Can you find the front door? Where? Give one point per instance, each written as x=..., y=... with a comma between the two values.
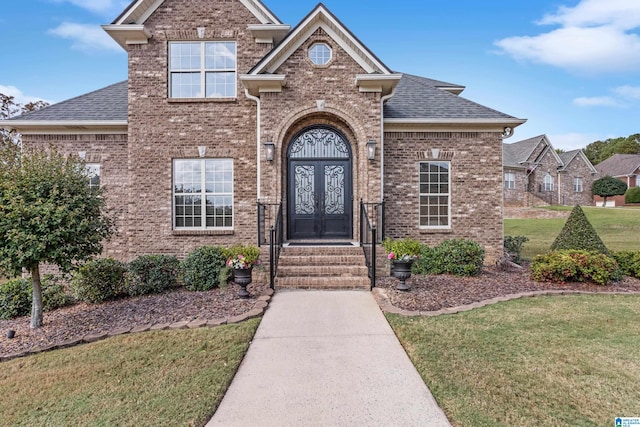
x=320, y=204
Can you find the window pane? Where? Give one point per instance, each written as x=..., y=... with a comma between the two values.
x=185, y=85
x=184, y=56
x=221, y=85
x=434, y=194
x=220, y=56
x=320, y=54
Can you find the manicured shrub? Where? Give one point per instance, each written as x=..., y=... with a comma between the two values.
x=632, y=195
x=54, y=293
x=152, y=274
x=578, y=234
x=629, y=262
x=456, y=256
x=574, y=266
x=513, y=247
x=15, y=298
x=99, y=280
x=200, y=270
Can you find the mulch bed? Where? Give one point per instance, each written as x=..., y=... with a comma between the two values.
x=82, y=319
x=432, y=293
x=428, y=293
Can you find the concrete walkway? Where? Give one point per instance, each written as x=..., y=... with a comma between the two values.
x=326, y=358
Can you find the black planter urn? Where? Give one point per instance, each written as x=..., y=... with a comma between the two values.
x=402, y=271
x=242, y=277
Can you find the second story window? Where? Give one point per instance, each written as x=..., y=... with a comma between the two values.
x=93, y=171
x=202, y=69
x=320, y=54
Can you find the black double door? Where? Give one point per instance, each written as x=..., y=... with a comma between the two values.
x=320, y=202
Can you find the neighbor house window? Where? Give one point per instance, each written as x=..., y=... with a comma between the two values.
x=203, y=193
x=435, y=194
x=202, y=69
x=548, y=182
x=320, y=54
x=510, y=180
x=577, y=185
x=93, y=171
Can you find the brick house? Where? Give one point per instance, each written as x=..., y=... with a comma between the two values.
x=535, y=174
x=626, y=168
x=225, y=107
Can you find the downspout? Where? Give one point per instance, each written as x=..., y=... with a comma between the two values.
x=258, y=166
x=382, y=101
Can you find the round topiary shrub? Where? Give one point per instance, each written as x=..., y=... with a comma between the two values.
x=200, y=270
x=152, y=274
x=99, y=280
x=632, y=195
x=15, y=298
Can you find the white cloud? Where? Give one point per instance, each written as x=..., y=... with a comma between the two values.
x=574, y=141
x=595, y=37
x=632, y=92
x=597, y=101
x=19, y=97
x=85, y=37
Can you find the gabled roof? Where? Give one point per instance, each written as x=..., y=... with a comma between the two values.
x=103, y=108
x=619, y=165
x=424, y=100
x=320, y=17
x=139, y=11
x=518, y=154
x=569, y=156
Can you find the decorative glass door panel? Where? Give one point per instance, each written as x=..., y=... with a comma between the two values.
x=320, y=203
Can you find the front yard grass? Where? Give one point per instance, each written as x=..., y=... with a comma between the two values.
x=159, y=378
x=618, y=228
x=547, y=361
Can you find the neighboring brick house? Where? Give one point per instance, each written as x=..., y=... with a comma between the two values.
x=216, y=86
x=535, y=174
x=626, y=168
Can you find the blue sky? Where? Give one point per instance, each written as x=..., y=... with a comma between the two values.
x=571, y=67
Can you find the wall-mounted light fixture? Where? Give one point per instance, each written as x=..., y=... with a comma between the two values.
x=269, y=150
x=371, y=150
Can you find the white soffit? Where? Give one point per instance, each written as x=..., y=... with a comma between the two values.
x=321, y=18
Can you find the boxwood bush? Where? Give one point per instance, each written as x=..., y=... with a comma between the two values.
x=200, y=270
x=99, y=280
x=456, y=256
x=16, y=296
x=629, y=262
x=152, y=274
x=632, y=195
x=574, y=266
x=513, y=247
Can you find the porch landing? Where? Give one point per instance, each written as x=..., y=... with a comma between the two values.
x=330, y=265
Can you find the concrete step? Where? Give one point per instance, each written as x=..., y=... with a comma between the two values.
x=327, y=270
x=323, y=283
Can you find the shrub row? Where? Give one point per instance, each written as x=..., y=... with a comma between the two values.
x=632, y=195
x=16, y=296
x=574, y=266
x=629, y=262
x=456, y=256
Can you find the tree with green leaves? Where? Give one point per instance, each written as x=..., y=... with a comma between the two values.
x=608, y=186
x=48, y=214
x=600, y=151
x=578, y=234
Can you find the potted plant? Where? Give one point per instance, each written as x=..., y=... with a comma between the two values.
x=402, y=253
x=242, y=259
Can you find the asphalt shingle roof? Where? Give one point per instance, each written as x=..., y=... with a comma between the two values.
x=513, y=155
x=619, y=165
x=422, y=98
x=106, y=104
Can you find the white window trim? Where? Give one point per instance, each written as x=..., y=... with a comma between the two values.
x=320, y=44
x=203, y=70
x=420, y=194
x=90, y=168
x=575, y=184
x=548, y=183
x=203, y=194
x=507, y=182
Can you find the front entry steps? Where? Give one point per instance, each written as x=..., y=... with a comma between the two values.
x=322, y=267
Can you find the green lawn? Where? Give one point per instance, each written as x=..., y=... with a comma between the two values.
x=618, y=228
x=164, y=378
x=547, y=361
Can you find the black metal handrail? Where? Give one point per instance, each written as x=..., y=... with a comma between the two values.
x=267, y=213
x=275, y=245
x=369, y=236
